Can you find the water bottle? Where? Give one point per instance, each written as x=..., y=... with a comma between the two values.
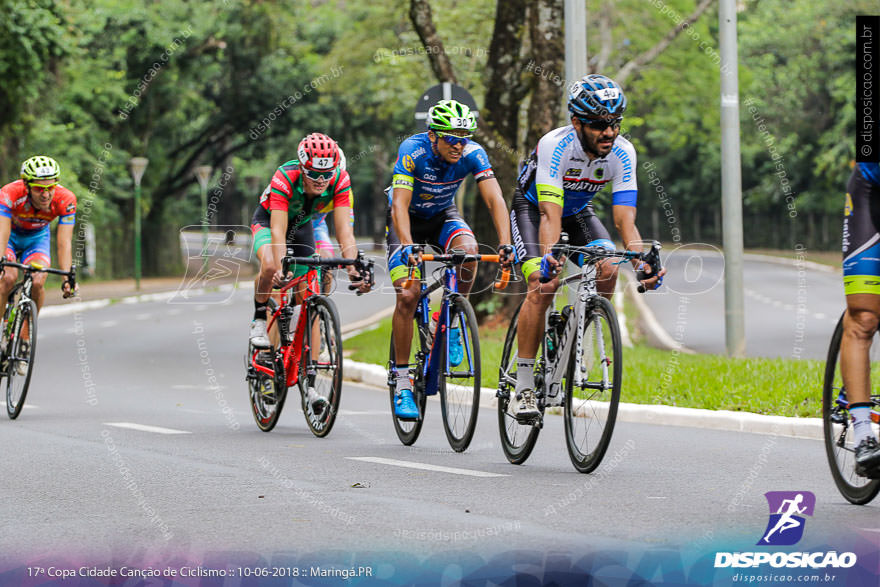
x=432, y=326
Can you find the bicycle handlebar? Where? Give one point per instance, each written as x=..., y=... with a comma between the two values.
x=458, y=258
x=363, y=266
x=71, y=275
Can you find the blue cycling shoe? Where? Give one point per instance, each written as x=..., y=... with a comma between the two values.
x=404, y=406
x=456, y=349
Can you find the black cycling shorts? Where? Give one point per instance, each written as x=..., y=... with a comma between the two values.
x=861, y=240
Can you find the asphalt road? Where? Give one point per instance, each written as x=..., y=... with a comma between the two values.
x=124, y=453
x=790, y=311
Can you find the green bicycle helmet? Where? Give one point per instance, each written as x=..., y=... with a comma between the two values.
x=40, y=167
x=447, y=115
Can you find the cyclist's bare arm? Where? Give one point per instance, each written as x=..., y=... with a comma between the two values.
x=400, y=199
x=625, y=222
x=551, y=225
x=278, y=227
x=5, y=231
x=63, y=240
x=492, y=195
x=347, y=243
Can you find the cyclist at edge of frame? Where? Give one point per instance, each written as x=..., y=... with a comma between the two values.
x=554, y=192
x=861, y=267
x=283, y=219
x=430, y=168
x=27, y=207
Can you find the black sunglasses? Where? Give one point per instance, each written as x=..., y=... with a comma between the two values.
x=601, y=124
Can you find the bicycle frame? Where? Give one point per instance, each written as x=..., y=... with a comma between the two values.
x=291, y=353
x=432, y=367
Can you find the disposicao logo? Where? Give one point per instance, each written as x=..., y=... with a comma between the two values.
x=786, y=524
x=785, y=528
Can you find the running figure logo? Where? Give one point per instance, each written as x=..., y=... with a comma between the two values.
x=786, y=524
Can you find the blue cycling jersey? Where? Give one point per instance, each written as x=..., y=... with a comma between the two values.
x=431, y=179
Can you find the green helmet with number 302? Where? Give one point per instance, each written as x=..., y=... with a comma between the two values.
x=40, y=167
x=448, y=115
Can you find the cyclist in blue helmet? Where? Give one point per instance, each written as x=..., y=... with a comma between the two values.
x=555, y=190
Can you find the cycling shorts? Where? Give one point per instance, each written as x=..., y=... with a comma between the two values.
x=29, y=247
x=525, y=220
x=300, y=240
x=861, y=240
x=438, y=231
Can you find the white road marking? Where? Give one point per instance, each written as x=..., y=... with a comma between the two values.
x=108, y=323
x=426, y=467
x=145, y=428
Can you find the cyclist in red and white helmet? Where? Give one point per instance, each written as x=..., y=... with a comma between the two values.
x=299, y=189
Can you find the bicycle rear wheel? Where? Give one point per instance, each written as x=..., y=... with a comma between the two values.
x=839, y=445
x=20, y=357
x=321, y=366
x=408, y=430
x=517, y=440
x=591, y=406
x=460, y=388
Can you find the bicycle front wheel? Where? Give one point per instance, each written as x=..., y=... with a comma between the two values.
x=20, y=357
x=321, y=367
x=836, y=421
x=408, y=430
x=591, y=403
x=460, y=387
x=517, y=440
x=266, y=396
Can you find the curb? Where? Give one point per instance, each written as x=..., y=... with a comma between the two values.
x=805, y=428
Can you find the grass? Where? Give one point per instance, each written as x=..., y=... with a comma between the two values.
x=782, y=387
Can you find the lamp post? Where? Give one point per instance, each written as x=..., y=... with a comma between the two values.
x=137, y=165
x=203, y=174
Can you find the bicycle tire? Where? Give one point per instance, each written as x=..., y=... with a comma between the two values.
x=517, y=440
x=266, y=396
x=460, y=396
x=408, y=430
x=835, y=424
x=321, y=311
x=17, y=383
x=586, y=437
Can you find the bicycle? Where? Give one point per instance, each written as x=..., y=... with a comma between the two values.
x=309, y=350
x=581, y=349
x=17, y=352
x=430, y=367
x=839, y=445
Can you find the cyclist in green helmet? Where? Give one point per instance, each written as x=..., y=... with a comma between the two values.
x=430, y=168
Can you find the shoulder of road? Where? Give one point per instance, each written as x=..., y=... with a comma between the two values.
x=97, y=294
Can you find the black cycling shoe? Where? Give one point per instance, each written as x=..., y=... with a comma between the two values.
x=868, y=458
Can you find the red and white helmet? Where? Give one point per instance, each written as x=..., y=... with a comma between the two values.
x=318, y=152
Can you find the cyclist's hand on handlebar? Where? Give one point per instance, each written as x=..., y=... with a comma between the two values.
x=411, y=255
x=279, y=278
x=646, y=279
x=67, y=291
x=550, y=266
x=505, y=254
x=359, y=280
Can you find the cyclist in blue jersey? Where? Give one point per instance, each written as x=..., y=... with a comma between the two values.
x=421, y=210
x=554, y=193
x=861, y=280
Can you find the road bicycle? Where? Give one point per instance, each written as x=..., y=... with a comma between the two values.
x=308, y=352
x=581, y=352
x=430, y=366
x=836, y=422
x=17, y=350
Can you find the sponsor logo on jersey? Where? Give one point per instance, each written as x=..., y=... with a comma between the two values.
x=430, y=176
x=71, y=208
x=848, y=207
x=625, y=161
x=556, y=157
x=599, y=173
x=573, y=171
x=281, y=185
x=408, y=163
x=418, y=152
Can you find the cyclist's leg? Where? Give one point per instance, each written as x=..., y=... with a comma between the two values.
x=324, y=248
x=525, y=219
x=34, y=248
x=456, y=234
x=585, y=227
x=269, y=264
x=862, y=287
x=10, y=275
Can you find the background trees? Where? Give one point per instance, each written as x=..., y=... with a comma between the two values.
x=235, y=84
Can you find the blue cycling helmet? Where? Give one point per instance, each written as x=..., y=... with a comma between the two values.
x=596, y=96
